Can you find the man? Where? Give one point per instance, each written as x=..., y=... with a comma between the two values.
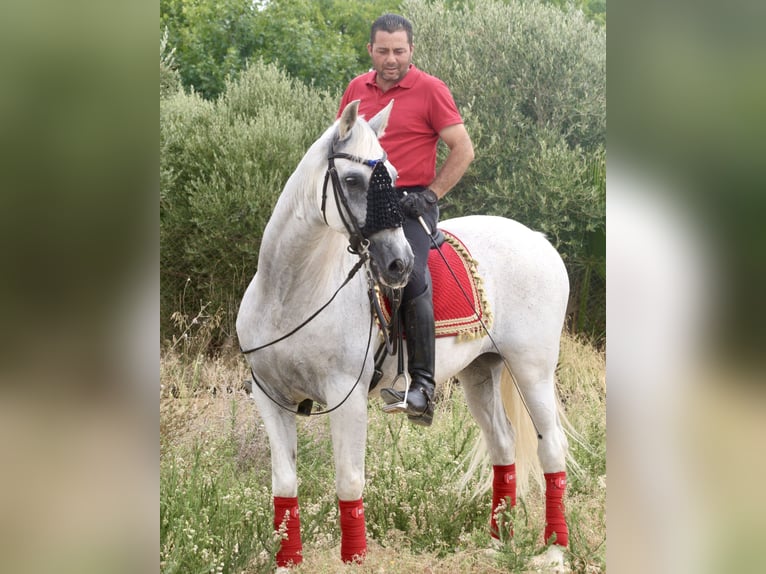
x=424, y=112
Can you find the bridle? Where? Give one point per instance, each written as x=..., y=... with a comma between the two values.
x=382, y=202
x=359, y=243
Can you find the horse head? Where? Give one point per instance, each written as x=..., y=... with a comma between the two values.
x=367, y=205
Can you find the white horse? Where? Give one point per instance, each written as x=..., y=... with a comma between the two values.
x=306, y=327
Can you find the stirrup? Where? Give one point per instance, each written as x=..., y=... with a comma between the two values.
x=392, y=404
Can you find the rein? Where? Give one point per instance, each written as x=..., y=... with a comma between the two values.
x=305, y=406
x=354, y=270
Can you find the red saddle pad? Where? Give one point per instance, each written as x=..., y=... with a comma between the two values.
x=454, y=315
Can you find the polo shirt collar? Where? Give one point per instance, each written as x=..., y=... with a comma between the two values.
x=407, y=82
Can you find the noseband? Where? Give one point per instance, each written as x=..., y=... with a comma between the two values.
x=383, y=210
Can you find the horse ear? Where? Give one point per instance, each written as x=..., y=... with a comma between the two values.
x=380, y=121
x=348, y=119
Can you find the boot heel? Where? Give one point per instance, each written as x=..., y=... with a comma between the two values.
x=423, y=420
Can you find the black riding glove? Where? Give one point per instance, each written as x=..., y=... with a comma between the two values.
x=417, y=203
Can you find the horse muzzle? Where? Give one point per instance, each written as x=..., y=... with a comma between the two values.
x=392, y=257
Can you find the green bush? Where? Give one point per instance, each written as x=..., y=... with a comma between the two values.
x=321, y=42
x=222, y=167
x=170, y=79
x=213, y=40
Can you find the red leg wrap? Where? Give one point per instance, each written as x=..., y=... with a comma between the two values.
x=555, y=522
x=503, y=487
x=291, y=550
x=353, y=535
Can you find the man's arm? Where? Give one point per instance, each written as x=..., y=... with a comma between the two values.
x=458, y=159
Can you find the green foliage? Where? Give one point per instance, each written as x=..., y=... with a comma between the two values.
x=515, y=552
x=295, y=34
x=213, y=518
x=401, y=495
x=593, y=9
x=322, y=43
x=213, y=39
x=529, y=79
x=222, y=167
x=170, y=79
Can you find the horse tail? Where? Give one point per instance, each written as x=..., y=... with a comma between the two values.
x=527, y=462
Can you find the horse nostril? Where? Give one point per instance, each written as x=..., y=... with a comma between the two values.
x=397, y=266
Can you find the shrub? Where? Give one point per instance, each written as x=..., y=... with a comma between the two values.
x=222, y=167
x=170, y=79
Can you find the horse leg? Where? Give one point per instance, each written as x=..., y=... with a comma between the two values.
x=348, y=426
x=283, y=440
x=537, y=385
x=486, y=406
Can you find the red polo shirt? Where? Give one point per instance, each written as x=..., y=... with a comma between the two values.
x=423, y=106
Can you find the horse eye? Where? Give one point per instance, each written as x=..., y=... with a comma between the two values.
x=351, y=180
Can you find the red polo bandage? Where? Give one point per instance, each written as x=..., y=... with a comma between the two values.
x=291, y=549
x=353, y=535
x=503, y=487
x=555, y=522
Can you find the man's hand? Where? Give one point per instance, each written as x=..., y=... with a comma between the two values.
x=415, y=204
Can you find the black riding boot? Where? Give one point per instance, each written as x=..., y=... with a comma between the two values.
x=419, y=330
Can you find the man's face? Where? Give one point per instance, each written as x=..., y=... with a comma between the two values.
x=391, y=56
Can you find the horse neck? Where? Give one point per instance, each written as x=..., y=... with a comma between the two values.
x=301, y=259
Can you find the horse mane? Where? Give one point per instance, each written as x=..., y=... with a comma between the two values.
x=304, y=185
x=301, y=196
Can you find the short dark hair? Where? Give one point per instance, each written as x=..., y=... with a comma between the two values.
x=391, y=23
